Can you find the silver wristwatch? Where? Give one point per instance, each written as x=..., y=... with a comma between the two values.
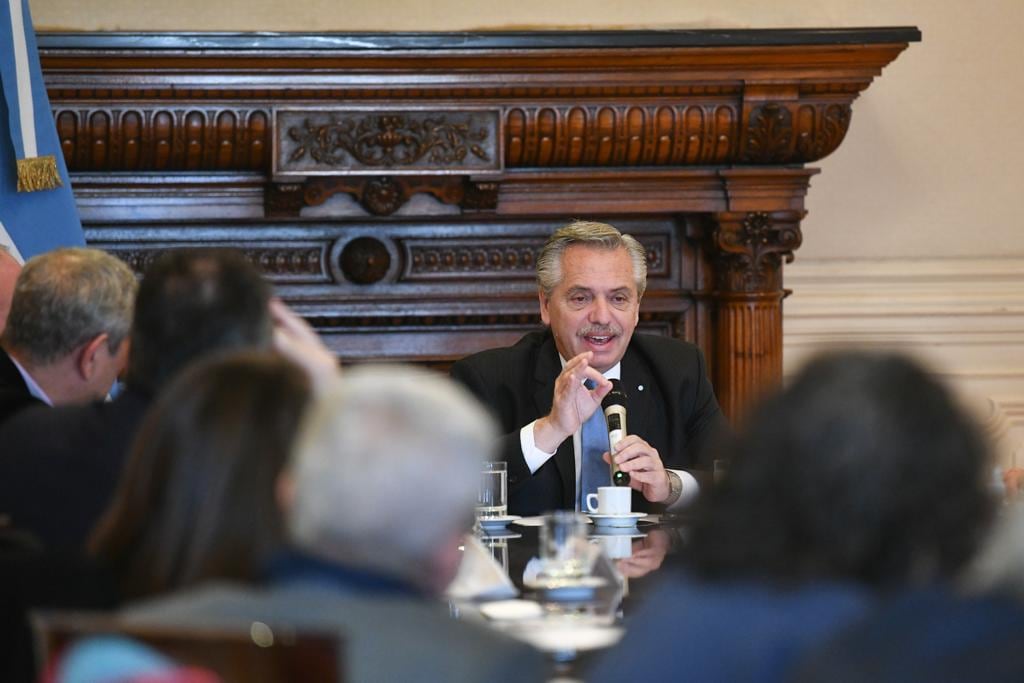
x=675, y=488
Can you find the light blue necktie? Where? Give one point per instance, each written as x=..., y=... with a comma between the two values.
x=594, y=470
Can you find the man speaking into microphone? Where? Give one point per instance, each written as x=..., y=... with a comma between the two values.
x=547, y=389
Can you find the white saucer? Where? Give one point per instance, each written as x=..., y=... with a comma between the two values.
x=499, y=533
x=606, y=531
x=488, y=523
x=537, y=520
x=626, y=519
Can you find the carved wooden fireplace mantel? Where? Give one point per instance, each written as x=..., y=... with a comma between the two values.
x=397, y=188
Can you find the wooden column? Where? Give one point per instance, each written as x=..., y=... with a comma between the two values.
x=746, y=249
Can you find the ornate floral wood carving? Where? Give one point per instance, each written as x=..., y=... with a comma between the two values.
x=332, y=142
x=769, y=134
x=749, y=249
x=779, y=133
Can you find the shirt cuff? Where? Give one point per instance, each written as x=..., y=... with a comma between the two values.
x=533, y=456
x=690, y=491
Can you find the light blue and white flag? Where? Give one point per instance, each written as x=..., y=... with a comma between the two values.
x=37, y=209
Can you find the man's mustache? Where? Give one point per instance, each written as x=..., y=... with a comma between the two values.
x=599, y=331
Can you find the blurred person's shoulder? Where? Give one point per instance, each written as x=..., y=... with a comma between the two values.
x=434, y=645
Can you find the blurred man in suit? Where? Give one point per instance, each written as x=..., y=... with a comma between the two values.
x=590, y=280
x=59, y=466
x=66, y=336
x=377, y=498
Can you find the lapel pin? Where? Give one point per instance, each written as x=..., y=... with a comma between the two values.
x=640, y=387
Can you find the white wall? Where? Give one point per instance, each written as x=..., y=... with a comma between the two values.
x=913, y=239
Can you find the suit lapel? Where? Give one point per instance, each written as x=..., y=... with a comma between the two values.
x=548, y=367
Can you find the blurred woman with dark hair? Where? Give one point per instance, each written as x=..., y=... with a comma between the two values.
x=862, y=477
x=197, y=497
x=864, y=469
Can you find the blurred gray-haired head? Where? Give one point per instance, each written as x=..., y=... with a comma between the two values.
x=65, y=297
x=386, y=468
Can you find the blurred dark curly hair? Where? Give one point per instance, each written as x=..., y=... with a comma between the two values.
x=863, y=469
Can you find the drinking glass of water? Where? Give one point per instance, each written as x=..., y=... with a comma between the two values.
x=565, y=552
x=492, y=499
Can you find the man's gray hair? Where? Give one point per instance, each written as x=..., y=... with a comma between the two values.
x=386, y=468
x=591, y=234
x=64, y=298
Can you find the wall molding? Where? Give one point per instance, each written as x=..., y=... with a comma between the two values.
x=964, y=317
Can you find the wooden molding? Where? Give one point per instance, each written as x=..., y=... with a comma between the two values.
x=157, y=102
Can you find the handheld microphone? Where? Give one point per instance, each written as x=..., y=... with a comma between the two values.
x=614, y=405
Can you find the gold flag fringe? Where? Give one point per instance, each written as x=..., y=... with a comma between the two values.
x=38, y=173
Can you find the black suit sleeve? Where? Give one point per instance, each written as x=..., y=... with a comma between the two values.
x=509, y=447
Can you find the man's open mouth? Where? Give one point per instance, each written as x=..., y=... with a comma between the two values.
x=599, y=340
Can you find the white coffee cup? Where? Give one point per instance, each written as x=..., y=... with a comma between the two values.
x=611, y=500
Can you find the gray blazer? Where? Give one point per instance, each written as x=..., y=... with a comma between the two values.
x=385, y=637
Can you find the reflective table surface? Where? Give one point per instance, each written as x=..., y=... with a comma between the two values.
x=574, y=623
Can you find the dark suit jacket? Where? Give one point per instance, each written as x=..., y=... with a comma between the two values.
x=928, y=635
x=749, y=631
x=14, y=394
x=59, y=466
x=670, y=404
